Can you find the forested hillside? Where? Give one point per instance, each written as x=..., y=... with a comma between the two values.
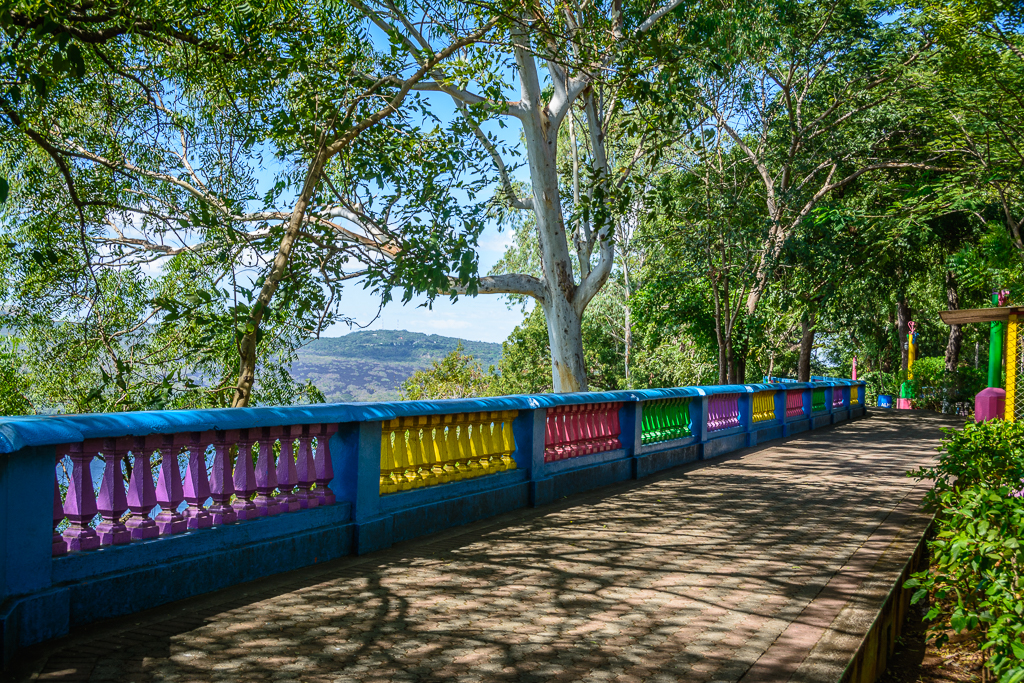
x=370, y=365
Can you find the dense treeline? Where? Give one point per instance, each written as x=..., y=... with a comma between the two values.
x=717, y=190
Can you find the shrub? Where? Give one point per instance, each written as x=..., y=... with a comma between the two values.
x=937, y=389
x=976, y=581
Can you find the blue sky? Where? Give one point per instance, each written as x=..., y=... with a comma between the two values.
x=482, y=318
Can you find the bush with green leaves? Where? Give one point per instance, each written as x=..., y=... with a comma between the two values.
x=937, y=389
x=976, y=579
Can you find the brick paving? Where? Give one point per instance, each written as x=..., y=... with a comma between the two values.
x=691, y=575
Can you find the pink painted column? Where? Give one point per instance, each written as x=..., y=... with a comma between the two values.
x=169, y=493
x=60, y=546
x=266, y=477
x=324, y=468
x=244, y=479
x=112, y=502
x=855, y=367
x=80, y=502
x=141, y=494
x=286, y=475
x=197, y=485
x=305, y=469
x=990, y=404
x=221, y=488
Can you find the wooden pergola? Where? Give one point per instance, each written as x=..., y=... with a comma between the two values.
x=980, y=315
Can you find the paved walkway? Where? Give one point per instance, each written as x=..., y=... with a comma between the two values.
x=737, y=568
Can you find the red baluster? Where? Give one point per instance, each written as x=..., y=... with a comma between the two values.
x=324, y=468
x=221, y=488
x=244, y=479
x=80, y=502
x=550, y=435
x=112, y=502
x=266, y=477
x=197, y=485
x=169, y=492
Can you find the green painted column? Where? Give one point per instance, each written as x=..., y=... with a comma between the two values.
x=995, y=349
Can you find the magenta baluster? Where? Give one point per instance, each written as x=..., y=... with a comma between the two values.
x=549, y=435
x=221, y=488
x=324, y=468
x=169, y=493
x=266, y=477
x=794, y=403
x=244, y=479
x=588, y=430
x=197, y=485
x=574, y=431
x=306, y=471
x=60, y=546
x=141, y=494
x=112, y=502
x=286, y=476
x=80, y=502
x=561, y=432
x=615, y=427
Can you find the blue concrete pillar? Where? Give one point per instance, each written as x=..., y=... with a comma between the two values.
x=746, y=406
x=355, y=454
x=529, y=431
x=631, y=417
x=699, y=419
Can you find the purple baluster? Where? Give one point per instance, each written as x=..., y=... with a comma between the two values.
x=112, y=502
x=266, y=477
x=60, y=546
x=169, y=492
x=80, y=502
x=197, y=485
x=324, y=469
x=141, y=494
x=221, y=488
x=286, y=476
x=306, y=471
x=244, y=479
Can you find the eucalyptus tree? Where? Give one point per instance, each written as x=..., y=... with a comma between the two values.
x=152, y=149
x=567, y=64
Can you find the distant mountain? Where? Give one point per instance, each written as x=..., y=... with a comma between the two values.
x=370, y=365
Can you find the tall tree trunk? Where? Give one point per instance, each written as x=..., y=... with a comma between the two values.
x=803, y=373
x=248, y=343
x=902, y=329
x=628, y=336
x=955, y=334
x=565, y=335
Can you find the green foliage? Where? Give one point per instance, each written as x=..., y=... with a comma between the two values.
x=976, y=581
x=457, y=375
x=14, y=385
x=936, y=389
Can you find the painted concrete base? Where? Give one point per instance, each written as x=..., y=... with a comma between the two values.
x=990, y=404
x=578, y=480
x=43, y=616
x=903, y=404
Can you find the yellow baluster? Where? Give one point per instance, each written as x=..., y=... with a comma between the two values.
x=458, y=473
x=508, y=439
x=402, y=456
x=466, y=455
x=432, y=433
x=492, y=440
x=387, y=459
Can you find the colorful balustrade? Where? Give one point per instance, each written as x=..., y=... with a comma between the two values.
x=665, y=419
x=582, y=429
x=723, y=412
x=818, y=400
x=764, y=406
x=234, y=470
x=426, y=450
x=794, y=403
